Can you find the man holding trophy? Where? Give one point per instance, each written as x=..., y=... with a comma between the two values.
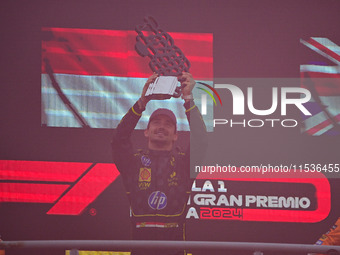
x=157, y=180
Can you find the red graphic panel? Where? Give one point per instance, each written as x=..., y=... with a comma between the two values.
x=31, y=192
x=41, y=170
x=71, y=186
x=86, y=190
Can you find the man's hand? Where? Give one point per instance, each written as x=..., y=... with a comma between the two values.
x=143, y=100
x=187, y=84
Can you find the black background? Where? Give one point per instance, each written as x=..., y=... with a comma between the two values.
x=251, y=39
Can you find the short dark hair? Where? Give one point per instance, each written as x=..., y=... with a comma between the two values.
x=166, y=112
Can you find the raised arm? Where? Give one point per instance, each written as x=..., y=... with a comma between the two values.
x=198, y=132
x=122, y=149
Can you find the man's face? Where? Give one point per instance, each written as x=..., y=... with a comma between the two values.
x=161, y=132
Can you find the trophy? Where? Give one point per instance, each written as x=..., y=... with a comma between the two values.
x=166, y=59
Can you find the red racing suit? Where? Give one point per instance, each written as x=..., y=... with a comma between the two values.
x=157, y=182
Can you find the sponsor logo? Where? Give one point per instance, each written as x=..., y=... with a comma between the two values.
x=323, y=237
x=319, y=242
x=144, y=178
x=172, y=161
x=173, y=180
x=157, y=200
x=145, y=161
x=204, y=97
x=145, y=174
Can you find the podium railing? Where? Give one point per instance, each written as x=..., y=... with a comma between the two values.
x=107, y=245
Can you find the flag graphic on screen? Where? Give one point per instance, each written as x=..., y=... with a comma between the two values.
x=323, y=81
x=91, y=77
